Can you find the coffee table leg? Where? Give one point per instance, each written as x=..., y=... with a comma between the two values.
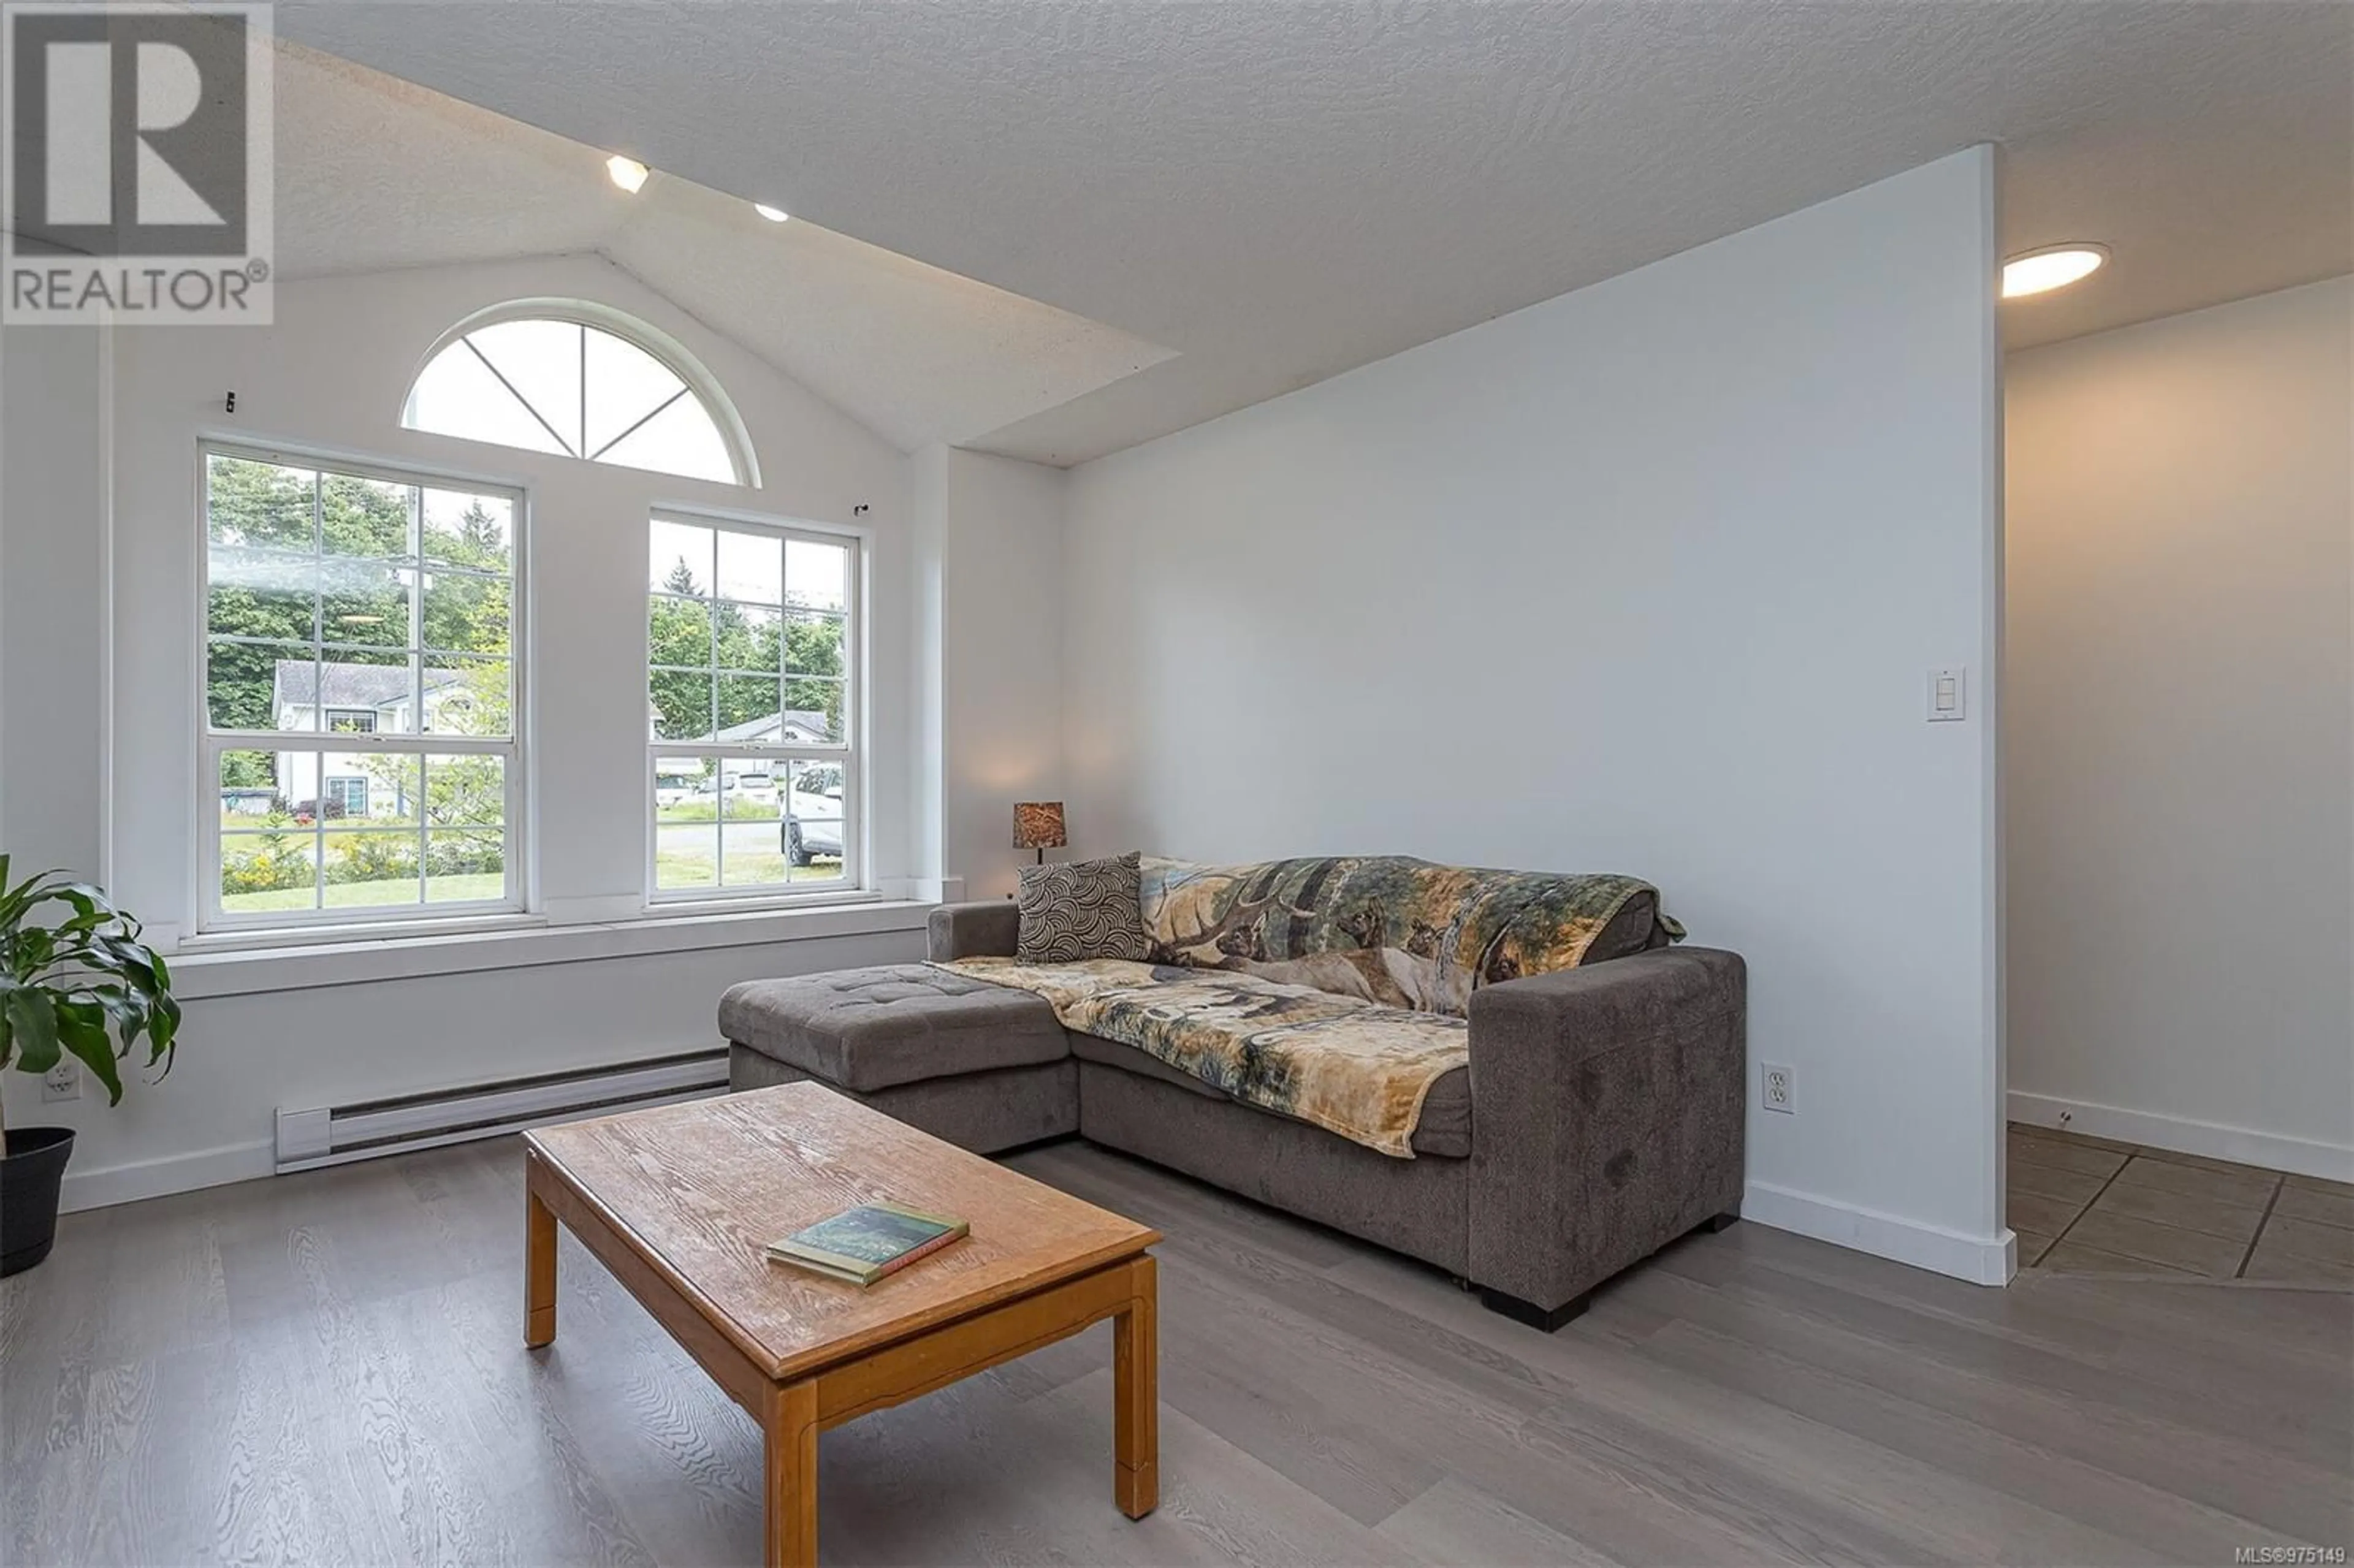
x=538, y=1270
x=792, y=1427
x=1136, y=1397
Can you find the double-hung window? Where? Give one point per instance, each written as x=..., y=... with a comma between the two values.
x=752, y=764
x=361, y=759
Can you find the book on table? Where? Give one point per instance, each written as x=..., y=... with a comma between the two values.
x=863, y=1244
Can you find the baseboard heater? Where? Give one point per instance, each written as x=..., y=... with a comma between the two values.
x=335, y=1135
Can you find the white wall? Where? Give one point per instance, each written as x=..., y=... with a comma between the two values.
x=52, y=597
x=1002, y=659
x=1646, y=579
x=2178, y=763
x=989, y=650
x=331, y=376
x=53, y=612
x=928, y=497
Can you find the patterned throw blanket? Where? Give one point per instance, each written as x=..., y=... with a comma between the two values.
x=1340, y=1062
x=1405, y=932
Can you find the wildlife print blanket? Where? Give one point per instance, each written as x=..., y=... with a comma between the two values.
x=1401, y=932
x=1340, y=1062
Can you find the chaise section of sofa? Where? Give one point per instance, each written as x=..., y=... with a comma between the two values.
x=985, y=1068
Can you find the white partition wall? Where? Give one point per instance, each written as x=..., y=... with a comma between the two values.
x=1650, y=577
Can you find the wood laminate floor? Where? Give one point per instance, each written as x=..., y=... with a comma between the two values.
x=326, y=1369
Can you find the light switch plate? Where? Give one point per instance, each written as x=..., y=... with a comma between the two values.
x=1949, y=695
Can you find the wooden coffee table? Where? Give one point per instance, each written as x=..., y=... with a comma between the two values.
x=677, y=1201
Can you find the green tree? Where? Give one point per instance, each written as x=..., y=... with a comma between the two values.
x=719, y=664
x=259, y=503
x=813, y=663
x=248, y=771
x=331, y=560
x=462, y=612
x=479, y=542
x=368, y=519
x=254, y=511
x=678, y=634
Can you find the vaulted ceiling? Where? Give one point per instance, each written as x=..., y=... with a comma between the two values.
x=375, y=173
x=1276, y=192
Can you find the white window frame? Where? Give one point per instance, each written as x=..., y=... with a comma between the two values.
x=649, y=339
x=849, y=755
x=212, y=744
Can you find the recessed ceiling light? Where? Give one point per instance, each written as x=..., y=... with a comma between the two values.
x=2053, y=267
x=773, y=214
x=628, y=172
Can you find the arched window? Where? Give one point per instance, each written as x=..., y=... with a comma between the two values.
x=525, y=376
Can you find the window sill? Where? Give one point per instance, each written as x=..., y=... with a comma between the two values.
x=209, y=967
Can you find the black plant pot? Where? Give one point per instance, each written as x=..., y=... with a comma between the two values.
x=36, y=1163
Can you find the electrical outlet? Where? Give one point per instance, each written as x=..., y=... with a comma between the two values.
x=63, y=1082
x=1778, y=1087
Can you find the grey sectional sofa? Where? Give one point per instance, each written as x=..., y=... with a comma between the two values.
x=1599, y=1120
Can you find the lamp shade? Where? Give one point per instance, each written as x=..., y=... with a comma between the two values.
x=1038, y=825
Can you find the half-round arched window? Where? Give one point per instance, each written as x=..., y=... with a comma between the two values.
x=573, y=382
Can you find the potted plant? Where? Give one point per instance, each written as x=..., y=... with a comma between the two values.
x=74, y=979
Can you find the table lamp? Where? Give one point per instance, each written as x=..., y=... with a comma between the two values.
x=1038, y=825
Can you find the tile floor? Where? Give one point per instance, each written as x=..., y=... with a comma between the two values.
x=2091, y=1205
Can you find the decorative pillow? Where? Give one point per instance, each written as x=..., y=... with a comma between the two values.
x=1084, y=909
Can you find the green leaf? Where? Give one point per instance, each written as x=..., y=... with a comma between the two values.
x=81, y=1026
x=81, y=982
x=88, y=915
x=16, y=900
x=30, y=953
x=132, y=958
x=164, y=1033
x=126, y=1007
x=33, y=1018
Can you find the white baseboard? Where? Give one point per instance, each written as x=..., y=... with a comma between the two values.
x=111, y=1184
x=1980, y=1260
x=2213, y=1140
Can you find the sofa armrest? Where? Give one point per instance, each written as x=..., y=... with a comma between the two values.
x=1607, y=1111
x=979, y=930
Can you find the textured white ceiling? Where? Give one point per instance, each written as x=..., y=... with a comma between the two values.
x=1280, y=191
x=375, y=173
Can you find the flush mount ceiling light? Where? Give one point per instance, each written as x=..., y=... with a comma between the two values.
x=628, y=172
x=773, y=214
x=2053, y=267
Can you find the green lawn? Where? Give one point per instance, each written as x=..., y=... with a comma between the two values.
x=697, y=811
x=705, y=811
x=372, y=895
x=675, y=871
x=672, y=872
